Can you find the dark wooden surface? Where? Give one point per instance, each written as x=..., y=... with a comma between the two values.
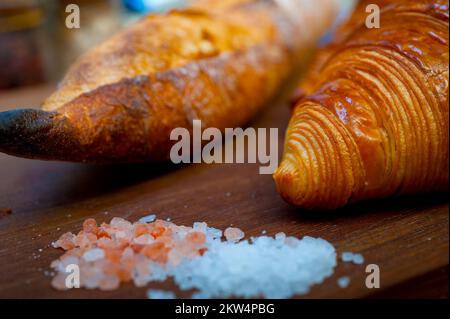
x=406, y=237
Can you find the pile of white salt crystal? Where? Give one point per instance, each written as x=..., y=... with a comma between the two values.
x=355, y=258
x=195, y=257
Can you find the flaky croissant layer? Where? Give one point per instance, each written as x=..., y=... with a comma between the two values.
x=374, y=118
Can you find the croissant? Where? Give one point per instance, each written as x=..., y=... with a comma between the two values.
x=216, y=61
x=372, y=117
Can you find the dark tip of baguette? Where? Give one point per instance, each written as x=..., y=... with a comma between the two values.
x=25, y=132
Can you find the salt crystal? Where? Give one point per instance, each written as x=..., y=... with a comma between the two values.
x=347, y=257
x=160, y=294
x=214, y=232
x=291, y=241
x=128, y=253
x=280, y=236
x=66, y=241
x=120, y=223
x=120, y=234
x=357, y=259
x=201, y=226
x=233, y=234
x=147, y=219
x=94, y=254
x=343, y=282
x=145, y=239
x=273, y=271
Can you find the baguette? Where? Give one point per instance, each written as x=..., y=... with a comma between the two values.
x=216, y=61
x=373, y=121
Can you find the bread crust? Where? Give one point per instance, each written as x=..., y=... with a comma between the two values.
x=217, y=61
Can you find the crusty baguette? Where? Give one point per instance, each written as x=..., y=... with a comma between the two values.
x=217, y=61
x=373, y=121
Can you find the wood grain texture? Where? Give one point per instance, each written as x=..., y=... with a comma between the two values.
x=407, y=237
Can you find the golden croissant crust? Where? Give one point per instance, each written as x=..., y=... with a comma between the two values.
x=373, y=121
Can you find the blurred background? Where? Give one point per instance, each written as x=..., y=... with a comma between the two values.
x=37, y=47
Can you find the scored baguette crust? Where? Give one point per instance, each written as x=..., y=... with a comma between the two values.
x=373, y=118
x=217, y=61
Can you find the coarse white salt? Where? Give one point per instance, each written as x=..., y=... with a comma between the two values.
x=280, y=236
x=347, y=257
x=267, y=267
x=213, y=232
x=200, y=226
x=343, y=282
x=147, y=219
x=357, y=259
x=160, y=294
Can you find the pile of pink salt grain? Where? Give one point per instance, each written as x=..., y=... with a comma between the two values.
x=120, y=251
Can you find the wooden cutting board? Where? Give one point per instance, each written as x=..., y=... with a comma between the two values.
x=406, y=237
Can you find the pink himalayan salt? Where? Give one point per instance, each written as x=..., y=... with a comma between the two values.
x=122, y=251
x=109, y=282
x=233, y=234
x=66, y=241
x=90, y=226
